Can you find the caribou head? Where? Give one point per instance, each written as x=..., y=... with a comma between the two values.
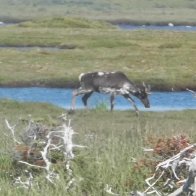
x=142, y=94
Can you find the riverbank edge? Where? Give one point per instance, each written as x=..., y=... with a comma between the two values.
x=115, y=22
x=75, y=84
x=148, y=23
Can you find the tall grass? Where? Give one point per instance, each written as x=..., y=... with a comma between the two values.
x=112, y=140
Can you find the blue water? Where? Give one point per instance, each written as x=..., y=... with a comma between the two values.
x=160, y=101
x=3, y=24
x=138, y=27
x=156, y=27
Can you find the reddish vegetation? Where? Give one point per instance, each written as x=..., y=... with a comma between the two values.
x=163, y=148
x=167, y=147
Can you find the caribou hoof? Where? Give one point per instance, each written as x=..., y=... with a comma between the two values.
x=137, y=113
x=71, y=111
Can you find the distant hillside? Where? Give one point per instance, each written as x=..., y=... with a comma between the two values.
x=143, y=11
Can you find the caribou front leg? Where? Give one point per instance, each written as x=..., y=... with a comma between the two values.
x=126, y=96
x=85, y=98
x=112, y=97
x=80, y=91
x=74, y=94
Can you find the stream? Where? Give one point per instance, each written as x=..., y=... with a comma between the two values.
x=160, y=101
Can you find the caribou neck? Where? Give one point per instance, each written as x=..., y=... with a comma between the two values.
x=134, y=91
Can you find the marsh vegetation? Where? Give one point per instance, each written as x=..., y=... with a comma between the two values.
x=163, y=59
x=85, y=41
x=143, y=11
x=112, y=140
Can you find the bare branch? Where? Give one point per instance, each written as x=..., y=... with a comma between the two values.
x=109, y=190
x=37, y=144
x=11, y=128
x=31, y=165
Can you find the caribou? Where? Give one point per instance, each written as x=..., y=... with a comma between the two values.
x=114, y=83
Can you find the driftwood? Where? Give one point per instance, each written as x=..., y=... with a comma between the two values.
x=35, y=146
x=184, y=160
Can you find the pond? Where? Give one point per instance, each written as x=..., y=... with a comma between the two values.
x=4, y=24
x=160, y=101
x=29, y=48
x=169, y=27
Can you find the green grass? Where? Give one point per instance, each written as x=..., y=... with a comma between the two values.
x=112, y=139
x=164, y=59
x=145, y=11
x=60, y=22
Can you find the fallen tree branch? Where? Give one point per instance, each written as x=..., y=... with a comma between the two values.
x=35, y=150
x=184, y=160
x=11, y=128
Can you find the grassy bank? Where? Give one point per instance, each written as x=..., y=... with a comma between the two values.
x=143, y=11
x=163, y=59
x=112, y=140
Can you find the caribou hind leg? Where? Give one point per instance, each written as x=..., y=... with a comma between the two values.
x=128, y=97
x=112, y=97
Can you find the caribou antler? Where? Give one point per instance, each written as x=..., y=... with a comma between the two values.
x=147, y=88
x=193, y=92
